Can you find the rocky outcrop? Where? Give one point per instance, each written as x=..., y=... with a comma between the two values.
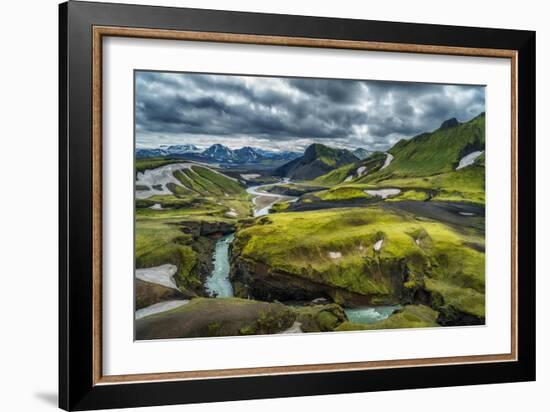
x=148, y=294
x=259, y=281
x=217, y=317
x=203, y=228
x=316, y=161
x=449, y=123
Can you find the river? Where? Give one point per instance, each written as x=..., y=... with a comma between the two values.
x=370, y=314
x=273, y=197
x=218, y=284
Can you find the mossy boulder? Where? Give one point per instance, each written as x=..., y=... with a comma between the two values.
x=410, y=316
x=203, y=317
x=320, y=318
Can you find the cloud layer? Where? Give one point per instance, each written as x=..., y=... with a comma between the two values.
x=290, y=113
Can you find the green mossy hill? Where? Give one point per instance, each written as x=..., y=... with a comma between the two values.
x=320, y=318
x=317, y=160
x=433, y=153
x=354, y=170
x=217, y=317
x=334, y=250
x=148, y=294
x=419, y=195
x=342, y=193
x=411, y=316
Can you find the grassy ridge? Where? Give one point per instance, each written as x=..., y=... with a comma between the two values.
x=436, y=152
x=152, y=163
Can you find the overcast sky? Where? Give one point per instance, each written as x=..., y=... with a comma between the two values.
x=291, y=113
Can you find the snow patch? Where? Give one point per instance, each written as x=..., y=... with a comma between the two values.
x=250, y=176
x=161, y=275
x=232, y=213
x=469, y=159
x=295, y=328
x=162, y=176
x=157, y=206
x=347, y=179
x=378, y=245
x=361, y=170
x=334, y=255
x=159, y=308
x=387, y=162
x=383, y=193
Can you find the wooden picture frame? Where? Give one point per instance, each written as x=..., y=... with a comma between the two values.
x=82, y=384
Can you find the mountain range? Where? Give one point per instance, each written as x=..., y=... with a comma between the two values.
x=216, y=153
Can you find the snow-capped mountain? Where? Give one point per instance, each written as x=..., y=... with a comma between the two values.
x=167, y=150
x=362, y=153
x=247, y=154
x=284, y=155
x=220, y=153
x=180, y=148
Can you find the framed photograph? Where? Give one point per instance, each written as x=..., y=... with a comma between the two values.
x=257, y=205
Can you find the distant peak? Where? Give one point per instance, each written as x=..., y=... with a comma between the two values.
x=449, y=123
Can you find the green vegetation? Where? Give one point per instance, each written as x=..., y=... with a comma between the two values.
x=411, y=316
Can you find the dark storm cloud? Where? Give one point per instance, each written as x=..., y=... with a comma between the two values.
x=355, y=113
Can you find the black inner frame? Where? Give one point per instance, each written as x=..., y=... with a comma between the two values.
x=76, y=388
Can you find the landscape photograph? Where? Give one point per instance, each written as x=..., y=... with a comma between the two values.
x=282, y=205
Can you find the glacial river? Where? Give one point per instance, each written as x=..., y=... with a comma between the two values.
x=218, y=283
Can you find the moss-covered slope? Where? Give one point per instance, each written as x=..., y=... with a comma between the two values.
x=217, y=317
x=360, y=256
